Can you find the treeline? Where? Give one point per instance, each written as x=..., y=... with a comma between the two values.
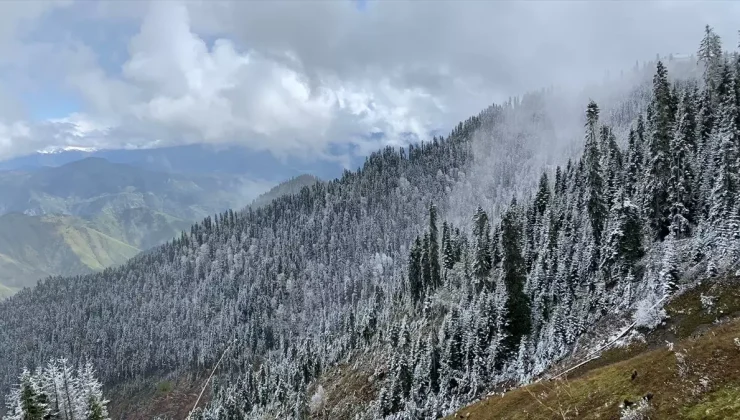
x=363, y=269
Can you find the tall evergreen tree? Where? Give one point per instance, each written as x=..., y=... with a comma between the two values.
x=659, y=165
x=726, y=156
x=426, y=263
x=435, y=276
x=710, y=55
x=514, y=277
x=680, y=194
x=414, y=271
x=31, y=398
x=704, y=153
x=482, y=253
x=595, y=203
x=542, y=198
x=448, y=248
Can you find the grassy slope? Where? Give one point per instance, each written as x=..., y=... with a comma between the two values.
x=116, y=225
x=95, y=249
x=35, y=247
x=698, y=379
x=142, y=228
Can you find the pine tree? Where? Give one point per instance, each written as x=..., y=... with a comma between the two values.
x=595, y=203
x=514, y=276
x=95, y=410
x=680, y=194
x=635, y=158
x=90, y=395
x=659, y=165
x=704, y=154
x=58, y=392
x=710, y=54
x=414, y=271
x=634, y=164
x=559, y=181
x=726, y=156
x=623, y=246
x=611, y=165
x=448, y=249
x=542, y=198
x=482, y=254
x=426, y=264
x=33, y=408
x=435, y=277
x=452, y=360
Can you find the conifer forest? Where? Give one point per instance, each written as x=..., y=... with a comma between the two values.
x=443, y=269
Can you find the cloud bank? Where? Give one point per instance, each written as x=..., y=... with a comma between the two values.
x=306, y=78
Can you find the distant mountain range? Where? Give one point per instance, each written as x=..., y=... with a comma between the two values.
x=92, y=186
x=89, y=214
x=190, y=159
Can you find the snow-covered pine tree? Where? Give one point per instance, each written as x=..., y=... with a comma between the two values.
x=414, y=271
x=482, y=254
x=435, y=271
x=57, y=391
x=725, y=140
x=710, y=55
x=514, y=276
x=659, y=163
x=680, y=196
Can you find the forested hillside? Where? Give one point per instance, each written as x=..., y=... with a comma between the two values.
x=433, y=271
x=91, y=214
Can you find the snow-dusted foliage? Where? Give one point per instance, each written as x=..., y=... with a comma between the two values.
x=638, y=411
x=433, y=265
x=649, y=313
x=57, y=391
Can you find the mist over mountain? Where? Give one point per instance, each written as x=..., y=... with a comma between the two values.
x=90, y=185
x=194, y=159
x=369, y=210
x=432, y=274
x=290, y=187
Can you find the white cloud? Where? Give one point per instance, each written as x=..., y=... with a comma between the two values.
x=175, y=88
x=296, y=77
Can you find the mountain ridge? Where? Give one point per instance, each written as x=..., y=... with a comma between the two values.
x=108, y=224
x=370, y=270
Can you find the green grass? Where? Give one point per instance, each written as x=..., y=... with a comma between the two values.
x=699, y=379
x=164, y=387
x=95, y=249
x=687, y=313
x=721, y=404
x=34, y=247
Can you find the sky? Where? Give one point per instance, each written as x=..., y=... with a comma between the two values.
x=307, y=78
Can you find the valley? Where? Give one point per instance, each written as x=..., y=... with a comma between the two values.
x=87, y=215
x=558, y=253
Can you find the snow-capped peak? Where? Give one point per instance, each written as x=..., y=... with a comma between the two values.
x=60, y=149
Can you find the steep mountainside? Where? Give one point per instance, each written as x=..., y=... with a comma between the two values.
x=686, y=368
x=93, y=185
x=91, y=214
x=432, y=274
x=34, y=247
